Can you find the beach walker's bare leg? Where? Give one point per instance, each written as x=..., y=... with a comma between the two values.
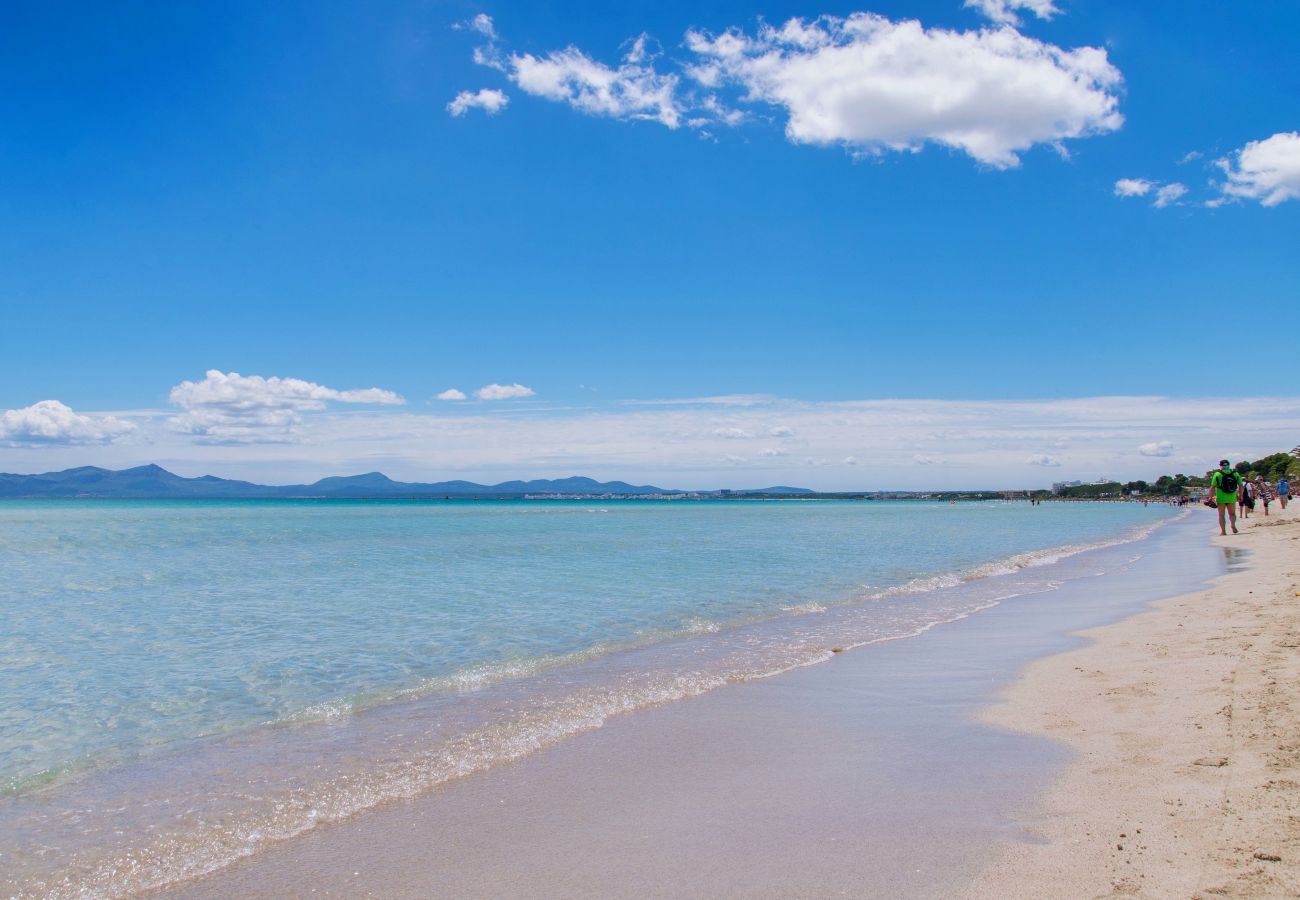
x=1231, y=510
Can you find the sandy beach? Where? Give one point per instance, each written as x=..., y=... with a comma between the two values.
x=1186, y=729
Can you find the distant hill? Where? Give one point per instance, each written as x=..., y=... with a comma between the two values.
x=155, y=482
x=140, y=482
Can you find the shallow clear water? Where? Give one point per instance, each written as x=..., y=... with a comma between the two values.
x=268, y=665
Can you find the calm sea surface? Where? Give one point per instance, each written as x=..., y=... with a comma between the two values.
x=182, y=682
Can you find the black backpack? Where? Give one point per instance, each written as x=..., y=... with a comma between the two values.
x=1229, y=482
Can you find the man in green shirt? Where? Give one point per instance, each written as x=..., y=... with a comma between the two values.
x=1224, y=484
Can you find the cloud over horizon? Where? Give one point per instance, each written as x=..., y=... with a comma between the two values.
x=233, y=408
x=51, y=422
x=902, y=444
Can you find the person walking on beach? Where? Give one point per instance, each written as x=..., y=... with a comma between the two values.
x=1224, y=483
x=1263, y=492
x=1283, y=490
x=1245, y=498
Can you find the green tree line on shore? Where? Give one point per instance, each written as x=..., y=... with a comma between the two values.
x=1271, y=467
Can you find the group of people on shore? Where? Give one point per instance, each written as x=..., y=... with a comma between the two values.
x=1235, y=494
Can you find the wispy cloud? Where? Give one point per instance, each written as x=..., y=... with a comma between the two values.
x=717, y=400
x=1162, y=194
x=630, y=90
x=1157, y=448
x=1004, y=11
x=504, y=392
x=482, y=23
x=1169, y=194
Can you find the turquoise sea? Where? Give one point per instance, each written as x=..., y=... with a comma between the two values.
x=185, y=682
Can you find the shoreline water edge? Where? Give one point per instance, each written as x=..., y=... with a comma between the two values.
x=1184, y=727
x=486, y=739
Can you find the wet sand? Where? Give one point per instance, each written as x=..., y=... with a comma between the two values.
x=1185, y=726
x=871, y=775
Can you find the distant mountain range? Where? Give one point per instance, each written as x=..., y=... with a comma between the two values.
x=154, y=482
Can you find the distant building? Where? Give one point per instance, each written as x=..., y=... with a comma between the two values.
x=1058, y=487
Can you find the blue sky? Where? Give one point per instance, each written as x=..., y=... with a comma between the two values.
x=281, y=191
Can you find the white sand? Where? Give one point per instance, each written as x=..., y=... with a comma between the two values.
x=1186, y=726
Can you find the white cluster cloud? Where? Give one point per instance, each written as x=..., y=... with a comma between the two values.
x=504, y=392
x=1157, y=448
x=1267, y=170
x=1169, y=193
x=873, y=84
x=233, y=408
x=490, y=100
x=452, y=394
x=864, y=82
x=1162, y=194
x=52, y=422
x=1004, y=11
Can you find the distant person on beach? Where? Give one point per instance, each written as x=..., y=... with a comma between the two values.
x=1245, y=498
x=1283, y=490
x=1224, y=483
x=1263, y=492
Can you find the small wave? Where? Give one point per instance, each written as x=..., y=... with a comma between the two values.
x=803, y=609
x=1016, y=563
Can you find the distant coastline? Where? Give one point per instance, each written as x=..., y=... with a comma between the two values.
x=152, y=482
